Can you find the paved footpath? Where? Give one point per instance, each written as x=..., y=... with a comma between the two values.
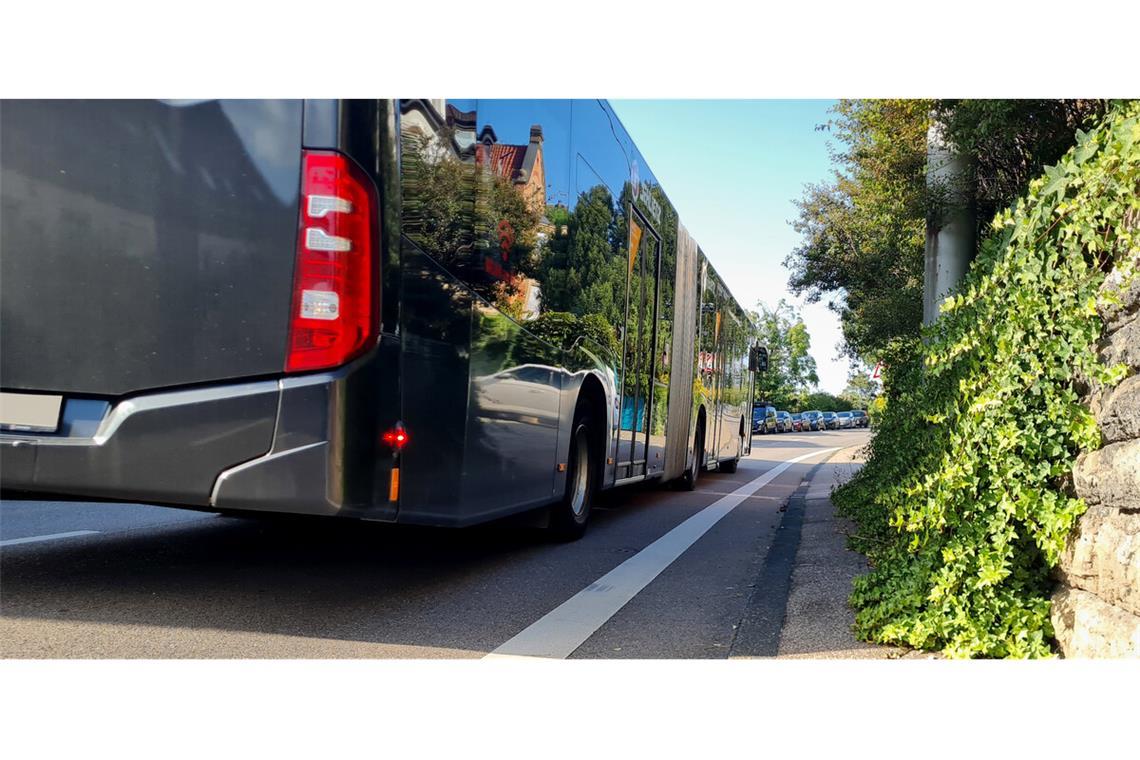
x=818, y=622
x=800, y=610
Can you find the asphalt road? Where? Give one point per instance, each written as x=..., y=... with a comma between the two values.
x=125, y=581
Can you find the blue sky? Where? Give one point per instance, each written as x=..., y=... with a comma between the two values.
x=731, y=169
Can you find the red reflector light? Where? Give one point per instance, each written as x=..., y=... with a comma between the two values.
x=332, y=315
x=397, y=437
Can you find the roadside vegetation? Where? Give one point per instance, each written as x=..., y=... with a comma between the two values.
x=791, y=369
x=964, y=504
x=863, y=232
x=791, y=380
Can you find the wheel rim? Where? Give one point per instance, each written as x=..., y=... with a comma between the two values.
x=581, y=472
x=698, y=456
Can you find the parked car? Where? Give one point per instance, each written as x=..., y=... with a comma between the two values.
x=783, y=421
x=860, y=417
x=770, y=419
x=812, y=419
x=829, y=421
x=845, y=420
x=763, y=419
x=798, y=421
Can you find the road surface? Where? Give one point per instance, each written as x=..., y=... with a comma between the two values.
x=126, y=581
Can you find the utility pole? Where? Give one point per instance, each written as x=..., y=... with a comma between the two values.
x=950, y=226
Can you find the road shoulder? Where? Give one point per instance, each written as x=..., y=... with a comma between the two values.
x=800, y=609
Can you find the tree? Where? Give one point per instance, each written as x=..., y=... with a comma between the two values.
x=791, y=368
x=864, y=232
x=826, y=402
x=861, y=390
x=1010, y=142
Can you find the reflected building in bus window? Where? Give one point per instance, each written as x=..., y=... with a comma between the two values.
x=473, y=203
x=522, y=166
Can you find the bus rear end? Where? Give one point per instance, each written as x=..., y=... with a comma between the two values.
x=190, y=308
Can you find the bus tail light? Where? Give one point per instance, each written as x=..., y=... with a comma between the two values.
x=333, y=304
x=397, y=437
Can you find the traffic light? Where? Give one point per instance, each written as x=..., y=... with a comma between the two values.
x=758, y=359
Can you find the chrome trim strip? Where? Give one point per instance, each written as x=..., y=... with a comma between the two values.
x=124, y=409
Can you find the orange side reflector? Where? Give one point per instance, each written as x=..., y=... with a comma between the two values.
x=634, y=243
x=394, y=485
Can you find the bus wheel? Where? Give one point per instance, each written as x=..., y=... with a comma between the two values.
x=689, y=479
x=730, y=465
x=569, y=516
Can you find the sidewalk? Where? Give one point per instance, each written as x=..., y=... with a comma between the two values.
x=803, y=589
x=818, y=622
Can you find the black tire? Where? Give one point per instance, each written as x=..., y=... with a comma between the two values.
x=689, y=479
x=569, y=517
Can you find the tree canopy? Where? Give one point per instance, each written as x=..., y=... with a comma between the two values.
x=791, y=369
x=861, y=390
x=863, y=232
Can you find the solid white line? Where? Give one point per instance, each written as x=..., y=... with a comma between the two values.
x=564, y=629
x=49, y=537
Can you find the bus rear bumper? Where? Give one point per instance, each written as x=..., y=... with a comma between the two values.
x=262, y=446
x=302, y=472
x=165, y=447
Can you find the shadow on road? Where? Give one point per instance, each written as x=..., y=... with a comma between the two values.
x=468, y=589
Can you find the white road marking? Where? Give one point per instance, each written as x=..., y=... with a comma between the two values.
x=564, y=629
x=49, y=537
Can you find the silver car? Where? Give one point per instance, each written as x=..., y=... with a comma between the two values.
x=845, y=420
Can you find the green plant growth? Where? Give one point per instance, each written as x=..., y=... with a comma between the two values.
x=791, y=369
x=568, y=330
x=825, y=402
x=963, y=506
x=862, y=233
x=861, y=389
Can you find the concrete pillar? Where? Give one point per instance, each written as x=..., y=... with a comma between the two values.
x=950, y=244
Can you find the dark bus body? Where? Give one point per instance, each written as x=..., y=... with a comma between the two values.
x=421, y=311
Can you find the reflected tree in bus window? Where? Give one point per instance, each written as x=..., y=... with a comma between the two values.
x=708, y=361
x=461, y=209
x=641, y=265
x=579, y=271
x=665, y=299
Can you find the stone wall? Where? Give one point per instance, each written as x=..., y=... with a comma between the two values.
x=1096, y=608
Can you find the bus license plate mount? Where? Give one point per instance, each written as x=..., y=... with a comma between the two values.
x=30, y=412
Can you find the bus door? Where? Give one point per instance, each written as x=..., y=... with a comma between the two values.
x=639, y=365
x=711, y=356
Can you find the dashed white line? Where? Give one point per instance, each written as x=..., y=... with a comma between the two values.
x=48, y=537
x=564, y=629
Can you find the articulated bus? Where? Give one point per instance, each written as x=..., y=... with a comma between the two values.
x=436, y=312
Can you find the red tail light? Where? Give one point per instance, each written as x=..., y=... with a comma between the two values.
x=397, y=437
x=332, y=320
